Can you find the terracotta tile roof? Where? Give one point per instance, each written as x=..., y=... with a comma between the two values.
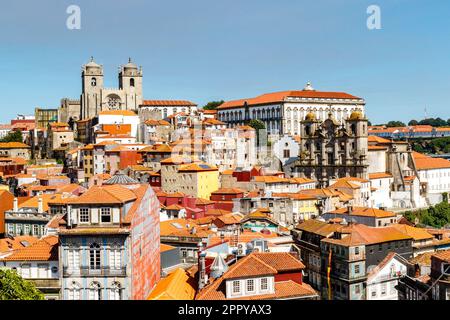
x=45, y=249
x=229, y=219
x=345, y=184
x=19, y=242
x=281, y=261
x=197, y=167
x=443, y=255
x=152, y=122
x=424, y=162
x=200, y=201
x=108, y=194
x=216, y=212
x=364, y=212
x=174, y=207
x=249, y=266
x=376, y=148
x=13, y=145
x=245, y=236
x=212, y=121
x=183, y=227
x=380, y=175
x=46, y=200
x=176, y=286
x=277, y=97
x=376, y=139
x=174, y=103
x=357, y=234
x=228, y=191
x=294, y=196
x=416, y=233
x=117, y=113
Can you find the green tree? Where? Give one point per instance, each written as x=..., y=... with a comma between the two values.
x=13, y=136
x=13, y=287
x=395, y=124
x=212, y=105
x=256, y=124
x=413, y=123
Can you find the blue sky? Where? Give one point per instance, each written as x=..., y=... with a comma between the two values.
x=204, y=50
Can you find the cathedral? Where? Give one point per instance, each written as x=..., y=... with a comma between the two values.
x=331, y=150
x=95, y=97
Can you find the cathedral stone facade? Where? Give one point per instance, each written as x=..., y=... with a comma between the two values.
x=330, y=149
x=95, y=97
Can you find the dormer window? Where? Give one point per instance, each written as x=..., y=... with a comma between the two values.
x=105, y=215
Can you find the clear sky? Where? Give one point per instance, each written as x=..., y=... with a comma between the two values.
x=203, y=50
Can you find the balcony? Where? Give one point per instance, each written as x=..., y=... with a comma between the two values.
x=85, y=271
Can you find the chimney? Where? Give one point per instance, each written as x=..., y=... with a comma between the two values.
x=201, y=267
x=15, y=205
x=40, y=205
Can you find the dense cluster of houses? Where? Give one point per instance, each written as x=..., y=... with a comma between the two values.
x=158, y=199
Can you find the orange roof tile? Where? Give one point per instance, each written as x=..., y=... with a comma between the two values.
x=117, y=112
x=45, y=249
x=380, y=175
x=277, y=97
x=174, y=103
x=365, y=212
x=178, y=285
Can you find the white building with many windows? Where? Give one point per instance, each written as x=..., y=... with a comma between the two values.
x=283, y=111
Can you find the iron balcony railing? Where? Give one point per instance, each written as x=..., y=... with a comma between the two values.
x=92, y=272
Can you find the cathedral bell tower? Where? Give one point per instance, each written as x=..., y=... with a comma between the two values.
x=92, y=84
x=130, y=81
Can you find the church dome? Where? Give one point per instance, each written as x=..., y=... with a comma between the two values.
x=310, y=117
x=356, y=115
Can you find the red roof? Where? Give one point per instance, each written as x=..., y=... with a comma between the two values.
x=167, y=103
x=281, y=96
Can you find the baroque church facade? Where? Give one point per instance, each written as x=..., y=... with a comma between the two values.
x=332, y=149
x=95, y=97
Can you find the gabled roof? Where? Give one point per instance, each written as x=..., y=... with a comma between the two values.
x=249, y=266
x=112, y=194
x=424, y=162
x=416, y=233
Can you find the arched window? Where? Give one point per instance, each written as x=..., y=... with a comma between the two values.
x=94, y=256
x=115, y=291
x=132, y=82
x=165, y=113
x=353, y=128
x=94, y=82
x=95, y=291
x=73, y=292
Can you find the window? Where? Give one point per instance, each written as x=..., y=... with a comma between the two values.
x=25, y=270
x=264, y=284
x=95, y=291
x=357, y=269
x=105, y=215
x=383, y=289
x=356, y=250
x=10, y=228
x=19, y=229
x=357, y=289
x=236, y=286
x=250, y=285
x=380, y=247
x=131, y=82
x=94, y=255
x=114, y=257
x=73, y=257
x=43, y=271
x=84, y=214
x=93, y=82
x=74, y=291
x=286, y=153
x=115, y=291
x=27, y=229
